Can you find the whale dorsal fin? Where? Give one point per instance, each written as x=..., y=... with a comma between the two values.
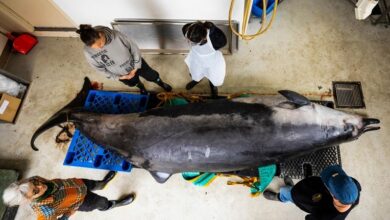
x=160, y=177
x=294, y=97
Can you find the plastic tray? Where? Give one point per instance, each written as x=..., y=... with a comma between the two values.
x=82, y=152
x=257, y=7
x=114, y=102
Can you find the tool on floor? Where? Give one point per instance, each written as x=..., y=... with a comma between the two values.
x=257, y=185
x=199, y=178
x=22, y=43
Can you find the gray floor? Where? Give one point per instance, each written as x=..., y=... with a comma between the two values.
x=311, y=44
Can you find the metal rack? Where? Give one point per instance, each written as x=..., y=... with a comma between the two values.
x=166, y=37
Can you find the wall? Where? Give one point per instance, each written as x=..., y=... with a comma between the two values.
x=3, y=40
x=39, y=13
x=12, y=22
x=103, y=12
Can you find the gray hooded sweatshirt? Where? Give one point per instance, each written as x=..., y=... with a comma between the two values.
x=117, y=58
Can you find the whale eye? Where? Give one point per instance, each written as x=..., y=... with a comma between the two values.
x=348, y=127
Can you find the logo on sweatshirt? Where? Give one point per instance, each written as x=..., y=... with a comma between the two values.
x=106, y=60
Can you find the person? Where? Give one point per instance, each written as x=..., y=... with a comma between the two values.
x=331, y=196
x=204, y=58
x=60, y=198
x=117, y=56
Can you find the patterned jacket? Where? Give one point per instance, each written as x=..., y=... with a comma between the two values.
x=66, y=196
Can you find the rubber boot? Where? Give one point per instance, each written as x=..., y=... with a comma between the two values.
x=122, y=202
x=142, y=89
x=164, y=85
x=214, y=91
x=103, y=183
x=191, y=84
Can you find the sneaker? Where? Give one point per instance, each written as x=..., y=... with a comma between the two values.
x=166, y=87
x=142, y=89
x=191, y=84
x=163, y=85
x=288, y=181
x=143, y=92
x=271, y=195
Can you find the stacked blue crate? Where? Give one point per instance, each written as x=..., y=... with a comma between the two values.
x=257, y=7
x=83, y=152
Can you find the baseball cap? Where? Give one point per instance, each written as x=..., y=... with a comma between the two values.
x=339, y=184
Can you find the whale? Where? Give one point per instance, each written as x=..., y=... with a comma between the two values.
x=224, y=135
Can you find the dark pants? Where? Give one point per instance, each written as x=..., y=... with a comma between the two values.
x=214, y=89
x=93, y=201
x=146, y=72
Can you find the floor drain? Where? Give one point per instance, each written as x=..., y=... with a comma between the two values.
x=348, y=95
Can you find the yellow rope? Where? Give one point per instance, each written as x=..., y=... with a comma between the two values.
x=166, y=96
x=247, y=10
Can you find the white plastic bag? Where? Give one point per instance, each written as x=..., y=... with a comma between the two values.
x=9, y=86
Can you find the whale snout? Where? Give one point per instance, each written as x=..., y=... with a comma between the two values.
x=357, y=126
x=370, y=124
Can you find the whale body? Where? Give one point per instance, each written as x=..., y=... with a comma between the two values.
x=220, y=135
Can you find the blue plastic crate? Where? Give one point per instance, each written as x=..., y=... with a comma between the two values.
x=257, y=7
x=82, y=152
x=114, y=102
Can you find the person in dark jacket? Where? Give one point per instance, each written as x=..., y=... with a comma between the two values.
x=331, y=196
x=117, y=56
x=204, y=58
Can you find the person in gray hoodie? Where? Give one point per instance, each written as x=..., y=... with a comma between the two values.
x=117, y=56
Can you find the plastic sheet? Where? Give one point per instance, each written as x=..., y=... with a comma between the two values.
x=10, y=86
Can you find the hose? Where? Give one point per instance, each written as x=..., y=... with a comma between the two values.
x=246, y=18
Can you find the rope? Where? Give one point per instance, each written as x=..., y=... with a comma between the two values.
x=65, y=134
x=168, y=96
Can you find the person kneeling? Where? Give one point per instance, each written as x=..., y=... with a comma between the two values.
x=60, y=198
x=331, y=196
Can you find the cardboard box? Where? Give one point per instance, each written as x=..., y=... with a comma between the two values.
x=9, y=106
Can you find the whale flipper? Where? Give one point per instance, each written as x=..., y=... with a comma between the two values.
x=294, y=97
x=160, y=177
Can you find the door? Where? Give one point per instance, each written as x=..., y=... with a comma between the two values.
x=39, y=13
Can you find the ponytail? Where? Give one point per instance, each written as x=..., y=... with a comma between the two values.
x=88, y=34
x=197, y=31
x=208, y=24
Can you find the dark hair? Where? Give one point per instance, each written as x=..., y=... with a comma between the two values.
x=88, y=34
x=197, y=31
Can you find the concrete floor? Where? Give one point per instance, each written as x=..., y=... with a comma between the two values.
x=311, y=44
